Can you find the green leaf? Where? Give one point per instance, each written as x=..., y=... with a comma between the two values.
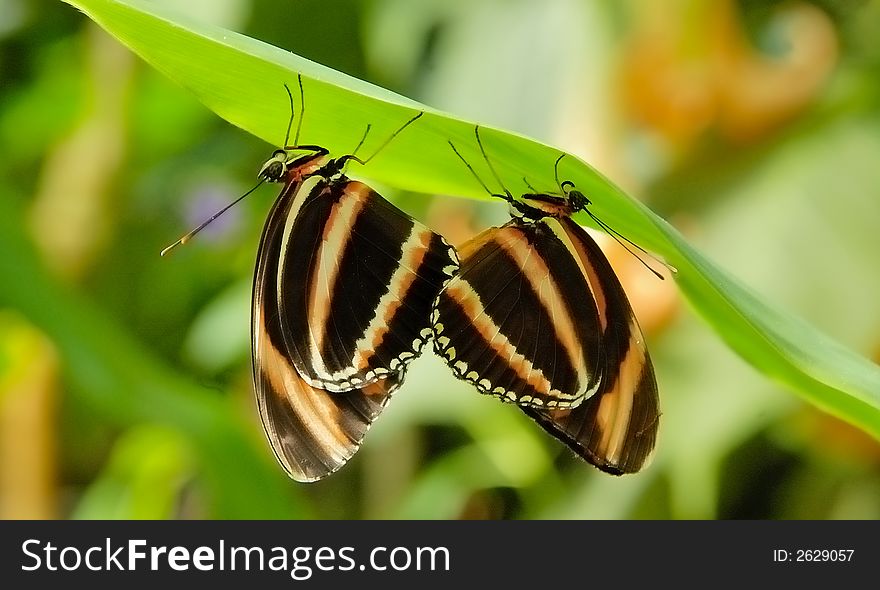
x=241, y=79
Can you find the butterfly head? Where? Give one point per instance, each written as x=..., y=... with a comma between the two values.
x=274, y=168
x=281, y=166
x=577, y=200
x=537, y=205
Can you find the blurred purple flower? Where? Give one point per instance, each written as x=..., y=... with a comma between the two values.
x=207, y=200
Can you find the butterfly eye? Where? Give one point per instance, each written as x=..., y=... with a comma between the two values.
x=275, y=167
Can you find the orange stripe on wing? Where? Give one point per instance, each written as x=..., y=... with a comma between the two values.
x=414, y=251
x=535, y=269
x=337, y=231
x=573, y=244
x=469, y=301
x=318, y=414
x=615, y=409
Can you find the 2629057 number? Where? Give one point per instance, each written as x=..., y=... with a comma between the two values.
x=823, y=554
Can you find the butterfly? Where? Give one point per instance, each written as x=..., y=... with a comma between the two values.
x=342, y=296
x=537, y=317
x=342, y=299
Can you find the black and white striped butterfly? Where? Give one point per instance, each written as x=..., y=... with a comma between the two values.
x=342, y=297
x=537, y=317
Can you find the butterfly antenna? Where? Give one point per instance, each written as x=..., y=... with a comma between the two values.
x=529, y=185
x=489, y=162
x=556, y=171
x=289, y=121
x=361, y=143
x=302, y=109
x=391, y=137
x=191, y=234
x=618, y=237
x=343, y=160
x=474, y=173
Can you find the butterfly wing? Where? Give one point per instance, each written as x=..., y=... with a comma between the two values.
x=313, y=432
x=616, y=428
x=517, y=321
x=356, y=281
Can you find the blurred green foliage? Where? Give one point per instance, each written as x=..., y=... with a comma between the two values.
x=148, y=412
